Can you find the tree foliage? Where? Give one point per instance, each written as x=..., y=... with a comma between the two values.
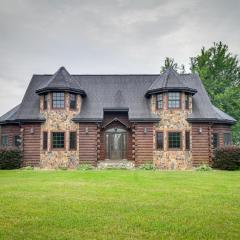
x=219, y=70
x=170, y=63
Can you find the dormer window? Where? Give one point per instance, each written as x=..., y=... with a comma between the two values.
x=73, y=101
x=58, y=100
x=174, y=100
x=159, y=102
x=45, y=101
x=187, y=98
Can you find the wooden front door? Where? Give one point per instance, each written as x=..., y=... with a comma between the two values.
x=116, y=144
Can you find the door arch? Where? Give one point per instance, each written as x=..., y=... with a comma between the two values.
x=116, y=144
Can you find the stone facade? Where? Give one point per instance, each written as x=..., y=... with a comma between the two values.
x=172, y=120
x=59, y=120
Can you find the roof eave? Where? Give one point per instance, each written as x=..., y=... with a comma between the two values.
x=144, y=119
x=18, y=121
x=211, y=120
x=60, y=89
x=120, y=109
x=171, y=89
x=84, y=120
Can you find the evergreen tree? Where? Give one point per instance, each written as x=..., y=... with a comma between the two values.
x=169, y=63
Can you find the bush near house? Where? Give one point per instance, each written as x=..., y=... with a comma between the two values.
x=227, y=158
x=10, y=158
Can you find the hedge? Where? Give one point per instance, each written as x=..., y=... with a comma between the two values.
x=10, y=158
x=227, y=158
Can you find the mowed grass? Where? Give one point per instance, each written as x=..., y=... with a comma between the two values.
x=119, y=204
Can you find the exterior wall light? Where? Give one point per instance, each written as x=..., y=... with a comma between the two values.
x=32, y=130
x=200, y=130
x=145, y=130
x=86, y=130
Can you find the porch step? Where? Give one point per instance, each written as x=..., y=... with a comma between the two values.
x=116, y=164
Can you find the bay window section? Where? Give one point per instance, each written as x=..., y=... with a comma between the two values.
x=45, y=101
x=58, y=100
x=187, y=98
x=159, y=101
x=174, y=100
x=73, y=101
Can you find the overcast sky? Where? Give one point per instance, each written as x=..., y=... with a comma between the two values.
x=105, y=36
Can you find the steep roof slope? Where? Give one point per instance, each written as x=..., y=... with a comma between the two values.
x=169, y=80
x=61, y=80
x=10, y=115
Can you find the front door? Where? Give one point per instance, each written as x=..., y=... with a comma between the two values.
x=116, y=144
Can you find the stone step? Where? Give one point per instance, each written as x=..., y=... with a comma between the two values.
x=116, y=164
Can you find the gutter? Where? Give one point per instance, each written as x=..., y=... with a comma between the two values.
x=211, y=120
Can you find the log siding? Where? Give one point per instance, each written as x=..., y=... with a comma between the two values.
x=143, y=143
x=31, y=144
x=88, y=143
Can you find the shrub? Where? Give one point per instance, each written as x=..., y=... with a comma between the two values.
x=147, y=166
x=84, y=167
x=203, y=168
x=227, y=158
x=10, y=158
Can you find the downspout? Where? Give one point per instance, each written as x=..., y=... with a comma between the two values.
x=210, y=125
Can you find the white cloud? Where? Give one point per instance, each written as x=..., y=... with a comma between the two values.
x=107, y=36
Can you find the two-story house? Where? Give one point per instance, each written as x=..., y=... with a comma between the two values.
x=166, y=119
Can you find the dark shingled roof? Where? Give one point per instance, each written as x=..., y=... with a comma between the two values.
x=169, y=80
x=121, y=93
x=10, y=116
x=61, y=81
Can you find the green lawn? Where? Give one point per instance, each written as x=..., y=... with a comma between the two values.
x=115, y=204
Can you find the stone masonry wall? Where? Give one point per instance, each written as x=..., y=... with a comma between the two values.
x=172, y=120
x=59, y=120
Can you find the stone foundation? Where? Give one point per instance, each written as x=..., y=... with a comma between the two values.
x=121, y=164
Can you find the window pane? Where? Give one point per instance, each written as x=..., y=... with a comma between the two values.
x=45, y=103
x=45, y=140
x=215, y=140
x=17, y=141
x=58, y=140
x=174, y=140
x=187, y=101
x=159, y=140
x=159, y=101
x=187, y=140
x=73, y=140
x=58, y=100
x=4, y=141
x=227, y=139
x=173, y=100
x=73, y=101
